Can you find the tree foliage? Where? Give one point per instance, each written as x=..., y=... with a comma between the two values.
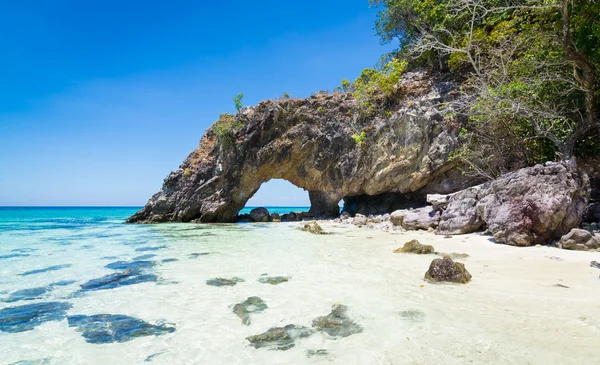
x=532, y=69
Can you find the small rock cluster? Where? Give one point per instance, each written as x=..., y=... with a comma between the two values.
x=259, y=215
x=377, y=221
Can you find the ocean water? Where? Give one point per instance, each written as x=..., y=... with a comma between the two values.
x=278, y=210
x=77, y=286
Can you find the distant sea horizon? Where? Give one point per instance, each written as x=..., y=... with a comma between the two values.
x=280, y=209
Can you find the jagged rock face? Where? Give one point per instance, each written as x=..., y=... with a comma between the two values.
x=309, y=143
x=530, y=206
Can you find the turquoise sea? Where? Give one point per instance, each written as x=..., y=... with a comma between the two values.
x=78, y=286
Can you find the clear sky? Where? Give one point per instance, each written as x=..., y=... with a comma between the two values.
x=100, y=100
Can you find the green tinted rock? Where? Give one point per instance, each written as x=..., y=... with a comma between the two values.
x=250, y=305
x=415, y=246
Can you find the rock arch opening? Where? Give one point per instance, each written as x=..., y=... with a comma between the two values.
x=282, y=197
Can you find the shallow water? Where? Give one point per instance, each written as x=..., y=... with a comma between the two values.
x=108, y=302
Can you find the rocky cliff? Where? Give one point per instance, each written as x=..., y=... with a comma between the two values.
x=403, y=155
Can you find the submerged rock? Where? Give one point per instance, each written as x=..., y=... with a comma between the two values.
x=250, y=305
x=109, y=328
x=224, y=282
x=579, y=239
x=274, y=280
x=259, y=215
x=445, y=269
x=27, y=317
x=26, y=294
x=414, y=315
x=144, y=249
x=32, y=362
x=63, y=283
x=46, y=269
x=196, y=255
x=144, y=257
x=164, y=261
x=13, y=255
x=318, y=352
x=337, y=323
x=312, y=227
x=130, y=265
x=595, y=264
x=116, y=280
x=415, y=246
x=280, y=338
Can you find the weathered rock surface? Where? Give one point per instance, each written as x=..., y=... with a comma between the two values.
x=580, y=240
x=309, y=143
x=247, y=307
x=274, y=280
x=259, y=215
x=445, y=269
x=415, y=246
x=312, y=227
x=420, y=218
x=530, y=206
x=280, y=338
x=109, y=328
x=337, y=323
x=224, y=281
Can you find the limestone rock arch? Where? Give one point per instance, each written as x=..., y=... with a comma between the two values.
x=309, y=142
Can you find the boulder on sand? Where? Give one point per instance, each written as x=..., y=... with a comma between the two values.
x=580, y=240
x=534, y=205
x=415, y=246
x=445, y=269
x=419, y=218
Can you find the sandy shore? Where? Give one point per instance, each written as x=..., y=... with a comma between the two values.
x=534, y=305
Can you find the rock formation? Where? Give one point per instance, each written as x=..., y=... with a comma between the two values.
x=445, y=269
x=580, y=240
x=308, y=142
x=534, y=205
x=415, y=246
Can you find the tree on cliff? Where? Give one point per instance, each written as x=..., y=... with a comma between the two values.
x=532, y=69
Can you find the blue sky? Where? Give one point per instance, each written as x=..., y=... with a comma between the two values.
x=100, y=100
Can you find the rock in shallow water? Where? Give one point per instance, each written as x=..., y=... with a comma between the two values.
x=144, y=249
x=27, y=317
x=280, y=338
x=259, y=215
x=415, y=246
x=130, y=265
x=13, y=255
x=108, y=328
x=337, y=323
x=46, y=269
x=274, y=280
x=445, y=269
x=250, y=305
x=224, y=281
x=26, y=294
x=144, y=257
x=198, y=254
x=112, y=281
